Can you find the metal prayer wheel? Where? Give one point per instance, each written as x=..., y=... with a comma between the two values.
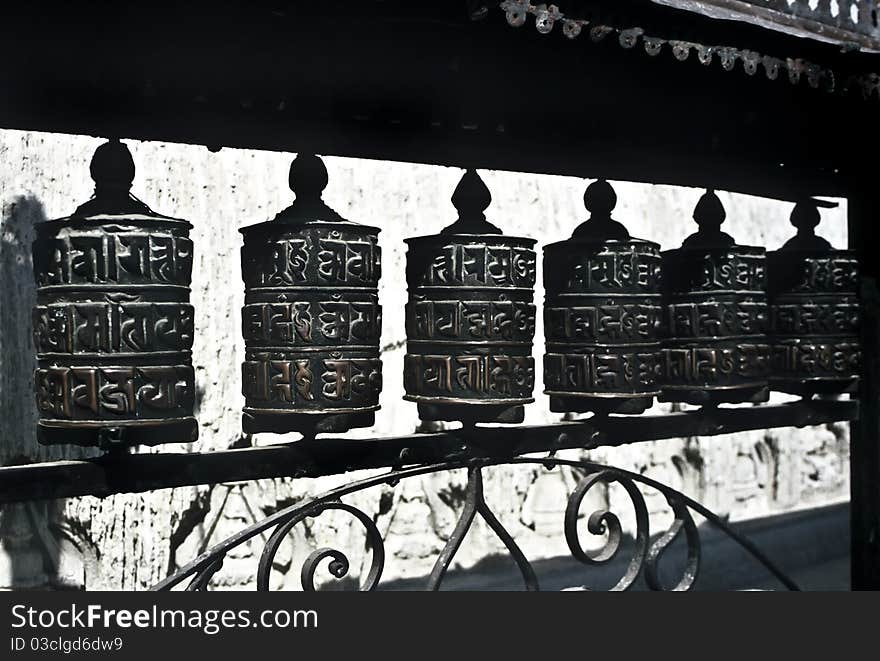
x=470, y=319
x=602, y=315
x=113, y=326
x=311, y=318
x=814, y=311
x=715, y=348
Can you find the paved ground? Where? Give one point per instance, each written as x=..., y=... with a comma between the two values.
x=810, y=546
x=830, y=575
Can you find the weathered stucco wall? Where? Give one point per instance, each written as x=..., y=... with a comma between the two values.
x=132, y=541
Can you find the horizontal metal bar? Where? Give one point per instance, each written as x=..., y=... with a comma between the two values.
x=133, y=473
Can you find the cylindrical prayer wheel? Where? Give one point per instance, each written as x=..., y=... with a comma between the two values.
x=470, y=319
x=602, y=315
x=311, y=319
x=113, y=326
x=715, y=348
x=814, y=311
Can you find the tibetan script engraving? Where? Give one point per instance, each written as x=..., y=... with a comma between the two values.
x=602, y=370
x=111, y=393
x=469, y=376
x=114, y=258
x=477, y=264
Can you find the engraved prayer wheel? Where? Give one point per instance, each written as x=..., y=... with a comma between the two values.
x=814, y=311
x=311, y=318
x=113, y=326
x=602, y=315
x=715, y=348
x=470, y=319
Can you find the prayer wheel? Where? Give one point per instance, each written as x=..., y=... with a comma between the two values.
x=814, y=311
x=470, y=319
x=715, y=347
x=602, y=315
x=311, y=318
x=113, y=326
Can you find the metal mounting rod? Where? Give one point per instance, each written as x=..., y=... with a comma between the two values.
x=134, y=473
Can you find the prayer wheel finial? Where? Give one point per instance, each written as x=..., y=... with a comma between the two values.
x=308, y=177
x=600, y=200
x=471, y=198
x=709, y=214
x=806, y=218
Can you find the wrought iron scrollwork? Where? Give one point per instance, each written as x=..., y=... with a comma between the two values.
x=476, y=503
x=683, y=521
x=646, y=552
x=199, y=583
x=339, y=563
x=606, y=522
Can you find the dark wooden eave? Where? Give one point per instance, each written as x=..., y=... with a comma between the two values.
x=422, y=82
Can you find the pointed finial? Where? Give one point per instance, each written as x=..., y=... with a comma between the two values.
x=600, y=200
x=471, y=198
x=308, y=177
x=709, y=214
x=805, y=217
x=112, y=170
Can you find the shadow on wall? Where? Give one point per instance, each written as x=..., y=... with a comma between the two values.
x=17, y=355
x=30, y=546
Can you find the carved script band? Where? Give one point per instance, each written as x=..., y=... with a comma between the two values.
x=313, y=257
x=602, y=369
x=719, y=364
x=469, y=376
x=717, y=318
x=791, y=271
x=693, y=270
x=312, y=323
x=477, y=264
x=814, y=358
x=627, y=267
x=113, y=258
x=603, y=323
x=276, y=381
x=814, y=316
x=470, y=320
x=100, y=328
x=113, y=393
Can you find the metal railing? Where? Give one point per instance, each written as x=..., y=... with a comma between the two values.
x=644, y=553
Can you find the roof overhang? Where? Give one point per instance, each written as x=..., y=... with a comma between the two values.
x=852, y=24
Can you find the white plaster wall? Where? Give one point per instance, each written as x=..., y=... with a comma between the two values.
x=131, y=541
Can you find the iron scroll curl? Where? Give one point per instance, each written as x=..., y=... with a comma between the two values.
x=339, y=562
x=646, y=553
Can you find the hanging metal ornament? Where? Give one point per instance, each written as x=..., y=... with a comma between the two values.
x=602, y=315
x=814, y=311
x=311, y=319
x=470, y=319
x=113, y=326
x=715, y=348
